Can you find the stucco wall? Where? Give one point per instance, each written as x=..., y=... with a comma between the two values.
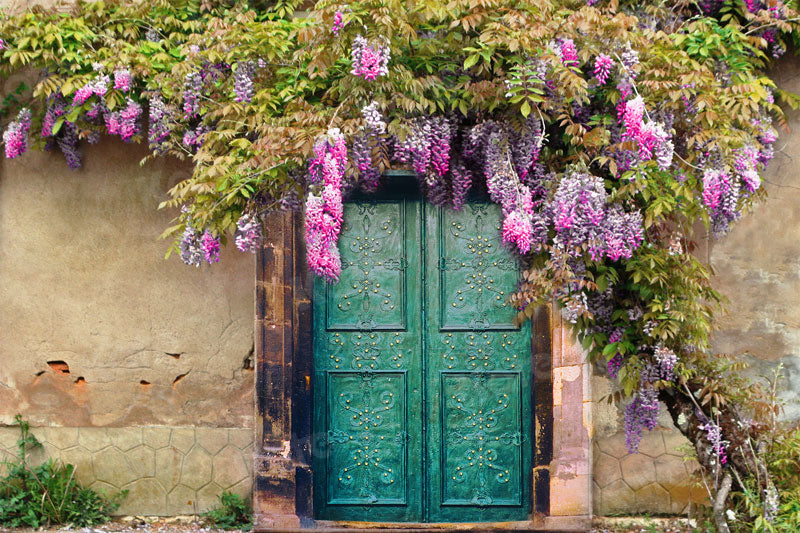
x=758, y=265
x=97, y=330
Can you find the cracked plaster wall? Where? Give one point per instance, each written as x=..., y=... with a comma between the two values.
x=97, y=328
x=136, y=369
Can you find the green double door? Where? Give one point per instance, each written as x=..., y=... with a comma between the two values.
x=422, y=391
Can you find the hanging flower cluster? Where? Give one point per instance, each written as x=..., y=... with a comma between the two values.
x=324, y=212
x=191, y=94
x=160, y=124
x=337, y=23
x=96, y=87
x=369, y=60
x=641, y=413
x=602, y=68
x=16, y=135
x=123, y=80
x=243, y=81
x=248, y=233
x=583, y=220
x=651, y=137
x=125, y=122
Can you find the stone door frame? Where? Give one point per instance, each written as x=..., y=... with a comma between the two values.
x=282, y=485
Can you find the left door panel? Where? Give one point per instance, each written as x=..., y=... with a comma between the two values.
x=368, y=369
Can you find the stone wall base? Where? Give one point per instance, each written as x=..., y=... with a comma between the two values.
x=167, y=471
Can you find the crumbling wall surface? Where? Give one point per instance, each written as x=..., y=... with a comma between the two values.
x=98, y=333
x=97, y=328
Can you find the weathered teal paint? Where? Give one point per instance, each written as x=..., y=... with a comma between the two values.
x=422, y=382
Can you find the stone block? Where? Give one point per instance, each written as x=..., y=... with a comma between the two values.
x=618, y=498
x=212, y=439
x=606, y=469
x=196, y=469
x=156, y=437
x=244, y=488
x=168, y=467
x=125, y=438
x=143, y=461
x=674, y=442
x=230, y=467
x=182, y=500
x=208, y=497
x=145, y=497
x=652, y=443
x=613, y=445
x=112, y=466
x=182, y=439
x=61, y=437
x=103, y=488
x=652, y=499
x=637, y=470
x=241, y=437
x=670, y=471
x=81, y=459
x=94, y=439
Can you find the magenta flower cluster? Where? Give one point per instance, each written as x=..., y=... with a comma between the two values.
x=193, y=137
x=192, y=86
x=123, y=80
x=159, y=124
x=15, y=137
x=568, y=53
x=721, y=192
x=337, y=23
x=210, y=247
x=509, y=159
x=369, y=60
x=125, y=122
x=96, y=87
x=666, y=360
x=614, y=364
x=56, y=107
x=602, y=68
x=248, y=233
x=652, y=137
x=324, y=212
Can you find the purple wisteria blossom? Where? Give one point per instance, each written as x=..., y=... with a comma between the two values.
x=243, y=81
x=15, y=137
x=192, y=86
x=248, y=233
x=369, y=60
x=641, y=413
x=123, y=80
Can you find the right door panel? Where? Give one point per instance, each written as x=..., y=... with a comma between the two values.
x=478, y=407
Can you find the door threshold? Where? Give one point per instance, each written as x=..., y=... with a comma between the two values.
x=348, y=526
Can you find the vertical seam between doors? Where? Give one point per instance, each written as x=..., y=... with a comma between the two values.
x=424, y=363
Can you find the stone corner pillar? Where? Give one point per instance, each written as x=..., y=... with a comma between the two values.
x=571, y=464
x=280, y=480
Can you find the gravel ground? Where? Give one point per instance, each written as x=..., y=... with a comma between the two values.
x=186, y=524
x=130, y=525
x=643, y=525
